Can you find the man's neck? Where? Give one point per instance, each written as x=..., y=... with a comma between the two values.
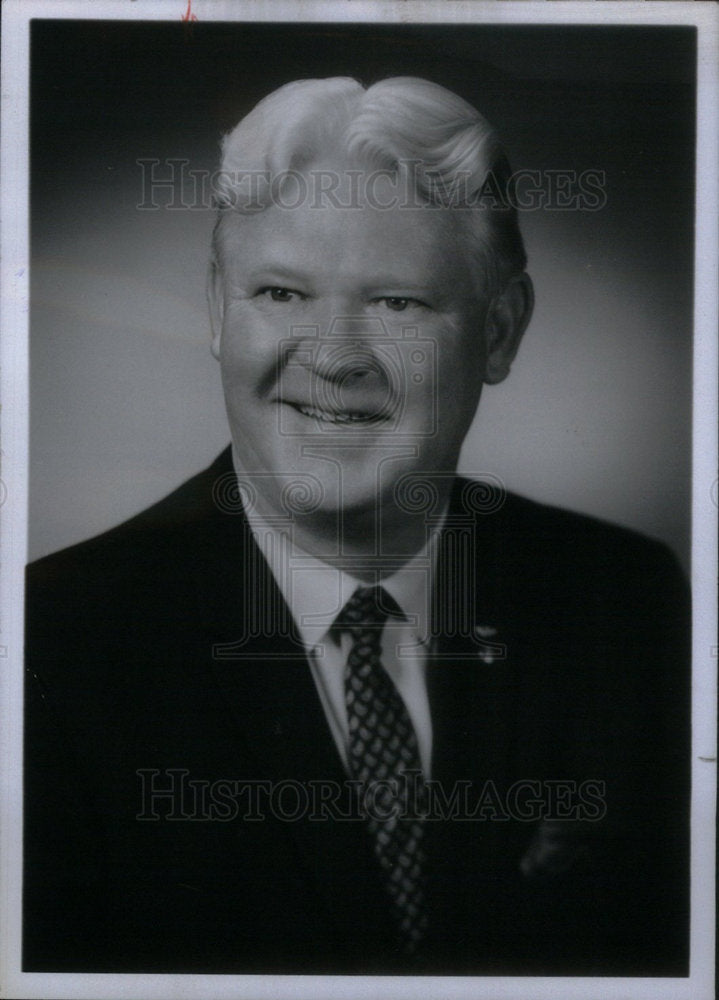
x=369, y=544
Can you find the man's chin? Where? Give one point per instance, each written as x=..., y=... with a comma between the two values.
x=351, y=504
x=322, y=486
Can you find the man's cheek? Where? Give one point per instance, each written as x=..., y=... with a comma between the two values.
x=247, y=345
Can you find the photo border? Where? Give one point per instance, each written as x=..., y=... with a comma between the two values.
x=14, y=494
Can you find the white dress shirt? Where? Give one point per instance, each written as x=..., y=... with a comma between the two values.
x=316, y=592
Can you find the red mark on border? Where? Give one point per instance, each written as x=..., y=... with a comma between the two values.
x=188, y=15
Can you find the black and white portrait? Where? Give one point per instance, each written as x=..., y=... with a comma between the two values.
x=360, y=543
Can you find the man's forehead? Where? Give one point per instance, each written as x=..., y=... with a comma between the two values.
x=407, y=245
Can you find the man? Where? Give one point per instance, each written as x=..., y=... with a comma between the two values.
x=329, y=707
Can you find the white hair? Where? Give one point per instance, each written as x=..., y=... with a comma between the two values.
x=405, y=125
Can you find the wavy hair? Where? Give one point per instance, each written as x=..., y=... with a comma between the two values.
x=414, y=128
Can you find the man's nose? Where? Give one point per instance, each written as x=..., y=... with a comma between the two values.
x=343, y=348
x=347, y=362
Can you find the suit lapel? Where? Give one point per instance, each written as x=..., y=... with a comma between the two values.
x=264, y=681
x=472, y=674
x=472, y=691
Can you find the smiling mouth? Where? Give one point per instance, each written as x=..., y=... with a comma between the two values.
x=339, y=385
x=338, y=417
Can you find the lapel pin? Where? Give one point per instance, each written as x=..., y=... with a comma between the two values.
x=487, y=652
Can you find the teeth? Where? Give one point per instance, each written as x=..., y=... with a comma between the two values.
x=333, y=418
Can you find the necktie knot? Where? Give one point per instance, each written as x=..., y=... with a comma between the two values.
x=367, y=608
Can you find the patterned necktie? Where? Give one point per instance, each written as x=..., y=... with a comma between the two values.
x=384, y=759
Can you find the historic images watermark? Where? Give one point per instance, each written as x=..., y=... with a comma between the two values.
x=357, y=376
x=173, y=795
x=171, y=183
x=347, y=388
x=419, y=493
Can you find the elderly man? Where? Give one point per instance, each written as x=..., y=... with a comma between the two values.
x=329, y=707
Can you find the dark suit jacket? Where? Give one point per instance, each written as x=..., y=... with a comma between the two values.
x=162, y=652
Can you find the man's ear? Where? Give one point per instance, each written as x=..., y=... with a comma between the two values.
x=216, y=303
x=507, y=318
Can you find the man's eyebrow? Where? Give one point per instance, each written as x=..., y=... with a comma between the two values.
x=279, y=270
x=390, y=281
x=374, y=283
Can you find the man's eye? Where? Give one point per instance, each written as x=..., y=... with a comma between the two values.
x=280, y=294
x=398, y=303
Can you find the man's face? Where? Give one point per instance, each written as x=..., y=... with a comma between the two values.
x=352, y=348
